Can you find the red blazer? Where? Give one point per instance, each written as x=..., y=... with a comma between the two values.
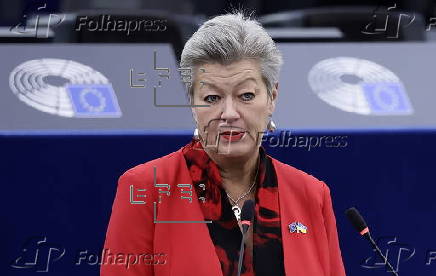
x=135, y=245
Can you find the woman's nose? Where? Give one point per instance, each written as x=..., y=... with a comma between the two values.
x=229, y=111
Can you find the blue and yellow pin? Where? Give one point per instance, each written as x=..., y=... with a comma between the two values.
x=297, y=227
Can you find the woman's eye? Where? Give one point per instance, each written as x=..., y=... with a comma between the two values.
x=211, y=98
x=247, y=96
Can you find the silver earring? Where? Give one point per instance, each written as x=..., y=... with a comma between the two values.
x=196, y=133
x=271, y=126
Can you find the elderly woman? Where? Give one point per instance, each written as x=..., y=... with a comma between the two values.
x=189, y=221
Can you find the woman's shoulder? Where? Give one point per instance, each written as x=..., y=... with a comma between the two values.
x=162, y=165
x=299, y=180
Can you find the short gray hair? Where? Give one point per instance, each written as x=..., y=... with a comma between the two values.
x=229, y=38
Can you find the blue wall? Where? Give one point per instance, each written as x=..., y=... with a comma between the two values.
x=61, y=187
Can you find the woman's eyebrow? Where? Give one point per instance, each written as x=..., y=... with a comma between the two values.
x=214, y=86
x=205, y=83
x=246, y=80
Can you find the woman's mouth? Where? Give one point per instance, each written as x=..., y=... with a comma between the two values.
x=232, y=136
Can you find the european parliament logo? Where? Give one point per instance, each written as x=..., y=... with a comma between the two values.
x=359, y=86
x=94, y=101
x=79, y=90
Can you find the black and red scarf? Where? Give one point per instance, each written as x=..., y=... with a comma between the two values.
x=224, y=231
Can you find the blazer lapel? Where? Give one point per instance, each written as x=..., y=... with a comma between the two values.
x=300, y=250
x=189, y=246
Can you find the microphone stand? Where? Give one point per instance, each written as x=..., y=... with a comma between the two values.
x=242, y=248
x=377, y=249
x=246, y=217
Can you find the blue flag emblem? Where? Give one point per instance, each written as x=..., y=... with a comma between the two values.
x=387, y=98
x=94, y=100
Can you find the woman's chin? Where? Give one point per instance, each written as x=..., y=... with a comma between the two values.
x=235, y=149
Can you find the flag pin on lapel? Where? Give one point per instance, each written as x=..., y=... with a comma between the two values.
x=297, y=227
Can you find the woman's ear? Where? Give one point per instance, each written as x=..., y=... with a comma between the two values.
x=276, y=90
x=194, y=115
x=273, y=100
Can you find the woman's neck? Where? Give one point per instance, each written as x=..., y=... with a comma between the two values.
x=237, y=173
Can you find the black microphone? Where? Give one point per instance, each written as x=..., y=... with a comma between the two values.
x=246, y=216
x=359, y=223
